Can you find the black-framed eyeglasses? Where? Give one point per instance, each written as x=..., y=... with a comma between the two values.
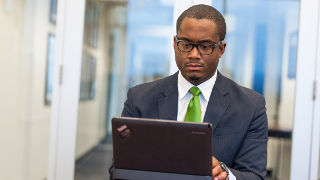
x=203, y=48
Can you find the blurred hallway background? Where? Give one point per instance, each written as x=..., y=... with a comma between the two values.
x=125, y=43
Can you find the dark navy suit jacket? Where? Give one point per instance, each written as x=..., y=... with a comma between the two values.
x=238, y=116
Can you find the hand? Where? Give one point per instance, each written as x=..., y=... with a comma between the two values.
x=217, y=173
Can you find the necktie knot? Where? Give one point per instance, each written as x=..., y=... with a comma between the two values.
x=195, y=91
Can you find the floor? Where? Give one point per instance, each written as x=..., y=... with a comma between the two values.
x=95, y=164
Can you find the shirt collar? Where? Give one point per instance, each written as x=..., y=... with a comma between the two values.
x=205, y=87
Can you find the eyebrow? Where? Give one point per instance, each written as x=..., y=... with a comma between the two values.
x=207, y=41
x=202, y=41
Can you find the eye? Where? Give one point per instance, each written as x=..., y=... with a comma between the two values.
x=185, y=44
x=204, y=46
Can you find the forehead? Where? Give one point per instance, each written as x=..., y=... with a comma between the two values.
x=198, y=29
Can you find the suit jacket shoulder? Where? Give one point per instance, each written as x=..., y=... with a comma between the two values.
x=148, y=100
x=154, y=88
x=239, y=93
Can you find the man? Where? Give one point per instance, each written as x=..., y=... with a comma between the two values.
x=198, y=92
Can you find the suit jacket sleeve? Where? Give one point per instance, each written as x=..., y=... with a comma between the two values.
x=128, y=109
x=251, y=160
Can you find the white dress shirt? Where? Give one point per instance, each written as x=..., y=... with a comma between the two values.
x=185, y=96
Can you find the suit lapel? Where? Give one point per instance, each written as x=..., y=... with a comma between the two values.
x=217, y=105
x=218, y=102
x=168, y=104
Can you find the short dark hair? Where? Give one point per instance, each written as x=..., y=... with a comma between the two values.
x=203, y=11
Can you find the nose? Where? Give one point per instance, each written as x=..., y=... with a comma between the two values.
x=194, y=53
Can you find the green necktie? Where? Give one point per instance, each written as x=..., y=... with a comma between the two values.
x=194, y=111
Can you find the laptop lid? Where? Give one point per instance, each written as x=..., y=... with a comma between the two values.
x=162, y=146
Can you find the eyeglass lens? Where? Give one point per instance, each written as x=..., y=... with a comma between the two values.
x=186, y=46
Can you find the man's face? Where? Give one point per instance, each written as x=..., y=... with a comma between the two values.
x=196, y=67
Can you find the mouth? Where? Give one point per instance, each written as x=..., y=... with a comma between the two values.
x=193, y=66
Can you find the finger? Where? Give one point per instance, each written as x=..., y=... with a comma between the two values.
x=216, y=171
x=215, y=162
x=221, y=176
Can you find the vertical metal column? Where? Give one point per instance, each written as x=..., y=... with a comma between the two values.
x=304, y=130
x=66, y=82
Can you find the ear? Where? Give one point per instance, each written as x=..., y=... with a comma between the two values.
x=174, y=41
x=222, y=48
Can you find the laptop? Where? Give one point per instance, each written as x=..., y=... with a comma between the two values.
x=161, y=149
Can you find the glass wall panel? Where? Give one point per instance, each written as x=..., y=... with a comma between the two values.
x=102, y=72
x=27, y=49
x=261, y=54
x=125, y=43
x=149, y=40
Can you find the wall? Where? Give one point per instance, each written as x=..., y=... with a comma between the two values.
x=25, y=117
